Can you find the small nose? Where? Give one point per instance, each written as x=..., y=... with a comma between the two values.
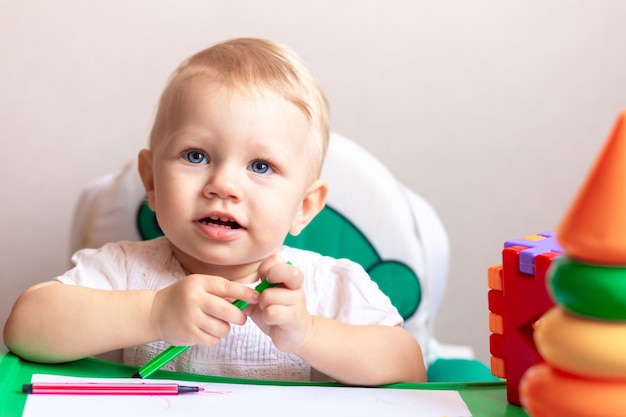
x=223, y=183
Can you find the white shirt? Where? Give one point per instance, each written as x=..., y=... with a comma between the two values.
x=338, y=289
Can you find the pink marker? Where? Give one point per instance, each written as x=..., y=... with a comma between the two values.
x=96, y=388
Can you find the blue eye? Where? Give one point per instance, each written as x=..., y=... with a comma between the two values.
x=260, y=167
x=195, y=157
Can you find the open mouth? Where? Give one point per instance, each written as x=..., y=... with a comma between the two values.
x=220, y=222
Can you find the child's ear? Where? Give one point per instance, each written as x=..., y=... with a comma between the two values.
x=312, y=203
x=144, y=164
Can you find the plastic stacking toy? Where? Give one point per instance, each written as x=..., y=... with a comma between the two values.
x=582, y=339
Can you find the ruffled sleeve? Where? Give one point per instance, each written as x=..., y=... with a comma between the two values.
x=103, y=268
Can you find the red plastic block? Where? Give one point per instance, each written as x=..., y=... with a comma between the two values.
x=517, y=306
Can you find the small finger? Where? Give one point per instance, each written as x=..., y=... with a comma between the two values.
x=229, y=290
x=269, y=263
x=223, y=310
x=286, y=275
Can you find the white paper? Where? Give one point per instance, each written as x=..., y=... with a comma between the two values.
x=235, y=400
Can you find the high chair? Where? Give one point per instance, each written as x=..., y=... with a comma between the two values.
x=370, y=218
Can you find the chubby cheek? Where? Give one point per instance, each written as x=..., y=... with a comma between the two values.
x=169, y=205
x=278, y=217
x=165, y=216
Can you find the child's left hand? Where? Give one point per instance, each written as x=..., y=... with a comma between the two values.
x=281, y=312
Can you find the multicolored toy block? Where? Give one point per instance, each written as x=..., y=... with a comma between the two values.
x=517, y=299
x=543, y=242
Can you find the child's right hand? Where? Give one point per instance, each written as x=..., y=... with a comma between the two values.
x=198, y=310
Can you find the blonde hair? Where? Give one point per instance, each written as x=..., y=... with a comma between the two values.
x=247, y=65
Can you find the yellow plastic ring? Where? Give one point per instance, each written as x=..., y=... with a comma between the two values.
x=586, y=347
x=547, y=392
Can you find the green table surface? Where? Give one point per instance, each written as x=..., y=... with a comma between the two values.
x=484, y=399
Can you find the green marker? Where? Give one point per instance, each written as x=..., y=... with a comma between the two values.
x=263, y=285
x=172, y=352
x=160, y=361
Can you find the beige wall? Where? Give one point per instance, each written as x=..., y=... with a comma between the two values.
x=492, y=110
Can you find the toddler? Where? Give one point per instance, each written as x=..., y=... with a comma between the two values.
x=233, y=166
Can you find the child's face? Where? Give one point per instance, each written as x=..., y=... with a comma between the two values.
x=231, y=177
